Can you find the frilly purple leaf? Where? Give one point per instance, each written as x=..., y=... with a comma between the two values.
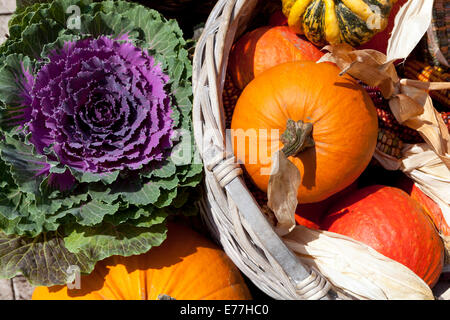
x=101, y=105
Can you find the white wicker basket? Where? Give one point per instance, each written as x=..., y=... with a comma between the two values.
x=228, y=207
x=230, y=211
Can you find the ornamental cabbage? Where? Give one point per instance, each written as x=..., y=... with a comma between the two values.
x=96, y=143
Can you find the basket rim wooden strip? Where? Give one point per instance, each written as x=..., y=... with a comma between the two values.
x=215, y=222
x=230, y=210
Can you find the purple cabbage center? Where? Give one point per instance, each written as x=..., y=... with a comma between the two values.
x=101, y=105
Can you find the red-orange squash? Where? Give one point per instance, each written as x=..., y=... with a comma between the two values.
x=310, y=214
x=187, y=266
x=342, y=116
x=391, y=222
x=265, y=47
x=431, y=208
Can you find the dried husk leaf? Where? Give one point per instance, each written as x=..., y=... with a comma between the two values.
x=432, y=177
x=446, y=241
x=411, y=22
x=356, y=268
x=409, y=101
x=414, y=108
x=424, y=85
x=433, y=45
x=387, y=161
x=405, y=108
x=284, y=182
x=370, y=66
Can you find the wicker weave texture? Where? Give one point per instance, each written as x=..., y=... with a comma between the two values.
x=228, y=208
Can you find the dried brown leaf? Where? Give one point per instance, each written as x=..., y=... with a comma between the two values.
x=282, y=191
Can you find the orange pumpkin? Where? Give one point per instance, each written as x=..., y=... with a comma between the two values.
x=266, y=47
x=340, y=113
x=186, y=266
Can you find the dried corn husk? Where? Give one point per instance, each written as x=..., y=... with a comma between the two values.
x=429, y=173
x=427, y=164
x=356, y=268
x=409, y=100
x=411, y=23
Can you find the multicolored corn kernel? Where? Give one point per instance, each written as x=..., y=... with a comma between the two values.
x=417, y=70
x=446, y=118
x=389, y=143
x=386, y=119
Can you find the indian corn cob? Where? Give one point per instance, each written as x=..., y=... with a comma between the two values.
x=386, y=119
x=389, y=143
x=446, y=117
x=435, y=43
x=418, y=70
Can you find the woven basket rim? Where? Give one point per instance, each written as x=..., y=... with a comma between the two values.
x=247, y=238
x=228, y=207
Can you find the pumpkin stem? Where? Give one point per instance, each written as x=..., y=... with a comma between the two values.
x=297, y=137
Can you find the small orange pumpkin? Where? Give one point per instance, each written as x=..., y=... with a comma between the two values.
x=266, y=47
x=339, y=112
x=186, y=266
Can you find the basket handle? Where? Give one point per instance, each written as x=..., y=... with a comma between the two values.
x=209, y=65
x=309, y=283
